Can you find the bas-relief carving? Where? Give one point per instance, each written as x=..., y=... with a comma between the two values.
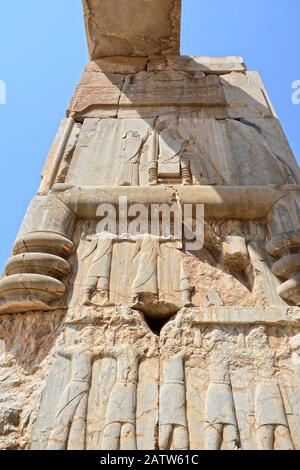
x=68, y=154
x=112, y=152
x=189, y=89
x=152, y=286
x=218, y=145
x=79, y=419
x=69, y=431
x=213, y=376
x=236, y=395
x=269, y=411
x=134, y=270
x=221, y=428
x=225, y=352
x=173, y=429
x=178, y=148
x=98, y=400
x=129, y=172
x=222, y=435
x=98, y=274
x=120, y=419
x=69, y=426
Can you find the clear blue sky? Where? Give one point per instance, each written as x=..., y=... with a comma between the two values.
x=43, y=50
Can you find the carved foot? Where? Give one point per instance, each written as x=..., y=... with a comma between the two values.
x=144, y=298
x=104, y=299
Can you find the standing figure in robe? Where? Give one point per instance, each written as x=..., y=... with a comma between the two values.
x=98, y=276
x=145, y=284
x=173, y=427
x=131, y=154
x=220, y=417
x=271, y=420
x=69, y=429
x=120, y=420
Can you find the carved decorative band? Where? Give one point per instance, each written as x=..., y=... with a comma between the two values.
x=45, y=242
x=39, y=263
x=34, y=274
x=288, y=267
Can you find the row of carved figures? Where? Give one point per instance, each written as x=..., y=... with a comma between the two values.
x=172, y=155
x=145, y=286
x=221, y=424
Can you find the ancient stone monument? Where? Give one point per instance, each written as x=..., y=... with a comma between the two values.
x=128, y=342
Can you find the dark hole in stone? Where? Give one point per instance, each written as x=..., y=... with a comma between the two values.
x=156, y=312
x=156, y=324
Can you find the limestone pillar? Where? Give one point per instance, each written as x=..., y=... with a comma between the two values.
x=113, y=339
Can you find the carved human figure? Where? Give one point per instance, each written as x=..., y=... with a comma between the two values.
x=173, y=427
x=193, y=169
x=185, y=288
x=120, y=420
x=145, y=284
x=69, y=429
x=294, y=397
x=271, y=420
x=186, y=172
x=272, y=429
x=295, y=346
x=171, y=146
x=131, y=152
x=98, y=276
x=220, y=416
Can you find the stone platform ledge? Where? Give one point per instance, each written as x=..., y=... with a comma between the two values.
x=205, y=64
x=132, y=65
x=221, y=202
x=273, y=315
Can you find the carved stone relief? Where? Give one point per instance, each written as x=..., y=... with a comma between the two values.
x=133, y=341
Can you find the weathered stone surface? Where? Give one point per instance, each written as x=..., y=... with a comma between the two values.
x=246, y=96
x=171, y=88
x=223, y=152
x=126, y=28
x=207, y=65
x=119, y=65
x=107, y=149
x=97, y=89
x=117, y=332
x=221, y=202
x=42, y=263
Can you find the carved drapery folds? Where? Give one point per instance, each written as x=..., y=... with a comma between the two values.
x=133, y=271
x=199, y=386
x=135, y=301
